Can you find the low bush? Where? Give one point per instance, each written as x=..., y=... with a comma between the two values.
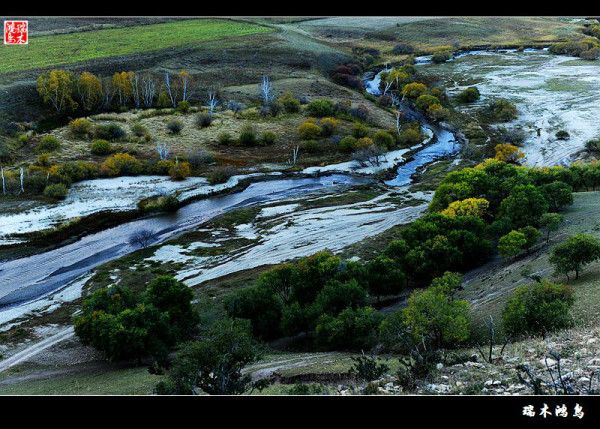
x=121, y=164
x=110, y=132
x=321, y=108
x=469, y=95
x=247, y=136
x=81, y=127
x=48, y=144
x=225, y=139
x=180, y=170
x=175, y=126
x=183, y=106
x=267, y=138
x=562, y=135
x=290, y=103
x=56, y=191
x=101, y=147
x=221, y=175
x=203, y=120
x=309, y=130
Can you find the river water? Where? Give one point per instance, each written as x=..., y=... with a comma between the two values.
x=29, y=278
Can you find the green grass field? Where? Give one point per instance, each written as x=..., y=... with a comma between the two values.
x=55, y=50
x=128, y=381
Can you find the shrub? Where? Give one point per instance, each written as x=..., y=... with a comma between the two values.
x=361, y=112
x=360, y=130
x=438, y=113
x=501, y=110
x=348, y=144
x=139, y=130
x=179, y=170
x=414, y=90
x=441, y=56
x=111, y=132
x=142, y=238
x=183, y=106
x=424, y=101
x=328, y=126
x=538, y=309
x=312, y=146
x=403, y=49
x=384, y=139
x=506, y=152
x=81, y=127
x=593, y=146
x=43, y=160
x=410, y=136
x=121, y=164
x=214, y=364
x=290, y=103
x=367, y=368
x=247, y=136
x=267, y=138
x=48, y=144
x=101, y=147
x=175, y=126
x=336, y=296
x=469, y=95
x=225, y=139
x=203, y=120
x=562, y=135
x=364, y=143
x=221, y=175
x=57, y=191
x=309, y=130
x=199, y=158
x=321, y=108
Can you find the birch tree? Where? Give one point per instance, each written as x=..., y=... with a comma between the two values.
x=148, y=88
x=266, y=90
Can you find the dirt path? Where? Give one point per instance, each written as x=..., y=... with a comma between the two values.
x=36, y=348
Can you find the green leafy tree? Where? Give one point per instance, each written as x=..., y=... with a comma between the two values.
x=576, y=252
x=56, y=87
x=384, y=277
x=512, y=244
x=352, y=329
x=550, y=222
x=434, y=312
x=337, y=296
x=558, y=194
x=538, y=309
x=524, y=206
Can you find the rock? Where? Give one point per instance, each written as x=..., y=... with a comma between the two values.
x=591, y=341
x=439, y=366
x=584, y=380
x=594, y=361
x=549, y=361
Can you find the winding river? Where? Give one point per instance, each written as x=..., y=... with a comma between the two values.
x=25, y=279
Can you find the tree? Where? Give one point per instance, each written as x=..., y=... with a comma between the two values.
x=576, y=252
x=352, y=329
x=266, y=91
x=424, y=101
x=121, y=83
x=551, y=222
x=506, y=152
x=56, y=88
x=414, y=89
x=531, y=234
x=384, y=277
x=524, y=205
x=435, y=312
x=260, y=306
x=141, y=238
x=538, y=309
x=467, y=207
x=337, y=296
x=89, y=90
x=558, y=194
x=174, y=298
x=214, y=364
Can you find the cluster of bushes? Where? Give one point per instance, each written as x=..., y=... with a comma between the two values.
x=469, y=95
x=125, y=325
x=322, y=295
x=499, y=110
x=248, y=137
x=587, y=48
x=348, y=75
